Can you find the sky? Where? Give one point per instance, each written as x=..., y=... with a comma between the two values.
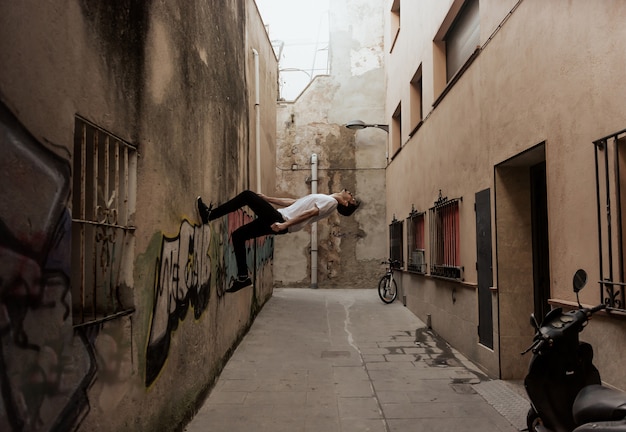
x=298, y=30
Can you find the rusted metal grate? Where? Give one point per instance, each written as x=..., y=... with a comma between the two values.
x=103, y=201
x=415, y=241
x=445, y=238
x=610, y=161
x=396, y=244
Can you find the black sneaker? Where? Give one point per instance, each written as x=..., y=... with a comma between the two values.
x=239, y=283
x=204, y=210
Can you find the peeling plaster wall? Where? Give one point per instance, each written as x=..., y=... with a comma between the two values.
x=349, y=249
x=174, y=80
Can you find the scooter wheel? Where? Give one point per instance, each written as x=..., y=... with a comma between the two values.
x=533, y=420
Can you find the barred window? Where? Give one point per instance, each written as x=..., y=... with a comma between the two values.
x=445, y=239
x=103, y=205
x=610, y=159
x=396, y=245
x=415, y=242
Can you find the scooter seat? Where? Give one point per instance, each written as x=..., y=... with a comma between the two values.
x=595, y=403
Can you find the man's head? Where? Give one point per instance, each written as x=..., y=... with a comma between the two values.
x=348, y=204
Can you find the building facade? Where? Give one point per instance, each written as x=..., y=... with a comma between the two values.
x=505, y=174
x=114, y=117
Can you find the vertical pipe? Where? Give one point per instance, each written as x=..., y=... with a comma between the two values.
x=314, y=224
x=257, y=138
x=257, y=112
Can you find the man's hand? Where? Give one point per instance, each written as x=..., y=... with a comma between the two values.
x=278, y=226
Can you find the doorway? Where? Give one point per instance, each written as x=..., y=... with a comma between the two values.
x=484, y=267
x=541, y=256
x=522, y=247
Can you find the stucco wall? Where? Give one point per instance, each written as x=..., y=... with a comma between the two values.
x=350, y=248
x=545, y=73
x=174, y=80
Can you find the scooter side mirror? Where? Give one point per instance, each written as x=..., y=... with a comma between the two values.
x=580, y=280
x=533, y=321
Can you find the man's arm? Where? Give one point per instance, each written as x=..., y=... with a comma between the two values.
x=279, y=226
x=282, y=202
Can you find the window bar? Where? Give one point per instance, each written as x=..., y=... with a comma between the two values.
x=107, y=167
x=108, y=204
x=447, y=234
x=95, y=217
x=83, y=211
x=434, y=238
x=457, y=243
x=126, y=197
x=117, y=260
x=443, y=235
x=608, y=209
x=116, y=160
x=456, y=233
x=597, y=145
x=620, y=245
x=610, y=287
x=440, y=238
x=452, y=236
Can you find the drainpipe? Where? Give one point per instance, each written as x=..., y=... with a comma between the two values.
x=257, y=130
x=314, y=224
x=257, y=111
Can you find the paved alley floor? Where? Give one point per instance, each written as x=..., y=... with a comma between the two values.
x=342, y=361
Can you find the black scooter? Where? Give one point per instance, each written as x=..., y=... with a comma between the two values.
x=563, y=385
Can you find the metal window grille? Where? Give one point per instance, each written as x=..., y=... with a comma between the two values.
x=445, y=238
x=103, y=203
x=415, y=242
x=395, y=240
x=610, y=161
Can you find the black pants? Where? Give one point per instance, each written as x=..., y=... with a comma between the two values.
x=261, y=226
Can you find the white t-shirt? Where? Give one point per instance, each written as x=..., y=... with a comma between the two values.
x=325, y=203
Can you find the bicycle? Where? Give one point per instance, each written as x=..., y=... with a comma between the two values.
x=387, y=287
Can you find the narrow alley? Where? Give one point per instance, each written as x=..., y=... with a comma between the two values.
x=340, y=360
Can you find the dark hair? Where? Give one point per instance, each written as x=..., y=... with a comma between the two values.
x=347, y=210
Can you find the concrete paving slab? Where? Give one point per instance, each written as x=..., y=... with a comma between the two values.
x=341, y=360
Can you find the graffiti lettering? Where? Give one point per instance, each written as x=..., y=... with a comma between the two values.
x=183, y=279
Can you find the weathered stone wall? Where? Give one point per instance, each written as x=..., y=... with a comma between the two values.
x=350, y=249
x=175, y=80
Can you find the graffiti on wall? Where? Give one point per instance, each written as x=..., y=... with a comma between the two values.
x=189, y=264
x=182, y=280
x=42, y=362
x=53, y=374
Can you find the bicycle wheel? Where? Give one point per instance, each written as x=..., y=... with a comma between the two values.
x=387, y=289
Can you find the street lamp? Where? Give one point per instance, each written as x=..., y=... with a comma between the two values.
x=358, y=124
